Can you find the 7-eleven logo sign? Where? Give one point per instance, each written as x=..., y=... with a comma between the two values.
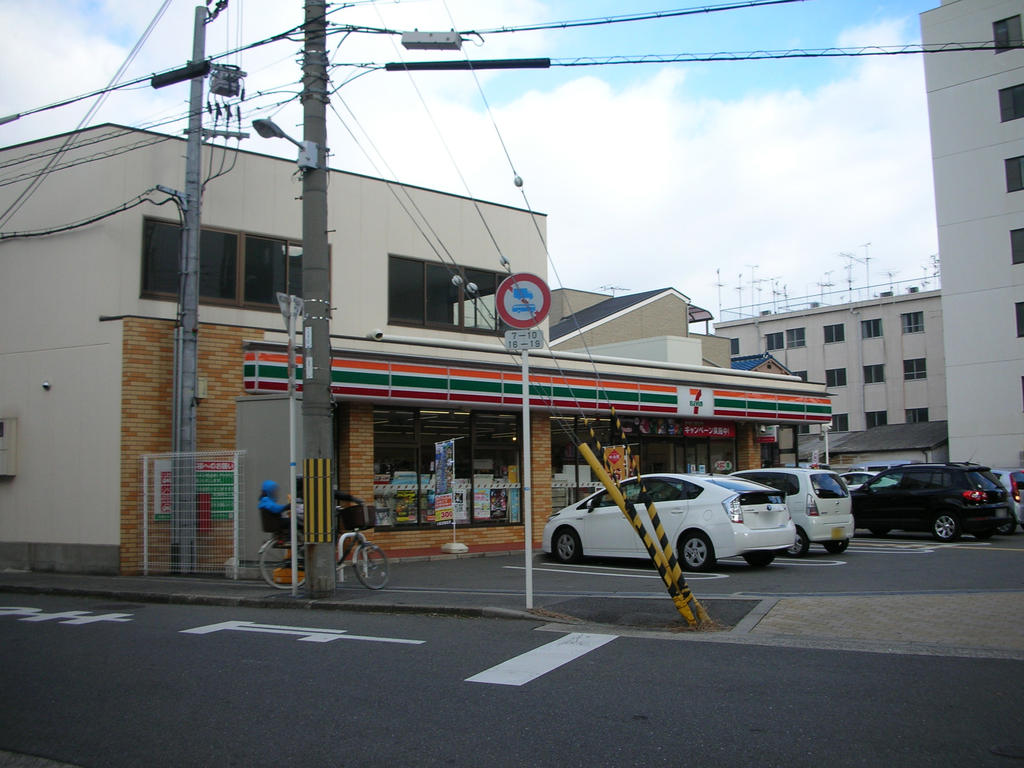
x=697, y=400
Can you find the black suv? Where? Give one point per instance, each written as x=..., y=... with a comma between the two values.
x=945, y=499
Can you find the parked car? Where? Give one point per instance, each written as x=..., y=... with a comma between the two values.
x=818, y=501
x=1013, y=482
x=856, y=478
x=945, y=499
x=705, y=517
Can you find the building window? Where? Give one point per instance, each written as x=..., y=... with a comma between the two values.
x=803, y=429
x=840, y=422
x=1020, y=318
x=795, y=337
x=734, y=346
x=1006, y=34
x=1017, y=246
x=1015, y=173
x=916, y=368
x=875, y=419
x=835, y=377
x=913, y=322
x=772, y=341
x=422, y=293
x=234, y=268
x=1011, y=103
x=916, y=415
x=835, y=333
x=874, y=374
x=871, y=329
x=801, y=374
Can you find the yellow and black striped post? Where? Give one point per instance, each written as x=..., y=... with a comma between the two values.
x=318, y=501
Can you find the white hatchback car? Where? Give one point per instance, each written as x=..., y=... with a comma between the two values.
x=818, y=501
x=705, y=517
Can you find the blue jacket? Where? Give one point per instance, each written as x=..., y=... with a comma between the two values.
x=268, y=498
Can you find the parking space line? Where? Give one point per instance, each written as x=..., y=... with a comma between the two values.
x=532, y=664
x=690, y=576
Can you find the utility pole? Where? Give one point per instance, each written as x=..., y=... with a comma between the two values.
x=186, y=334
x=317, y=416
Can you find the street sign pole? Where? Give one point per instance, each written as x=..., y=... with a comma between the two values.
x=527, y=478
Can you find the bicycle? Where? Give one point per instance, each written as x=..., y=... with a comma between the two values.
x=275, y=554
x=367, y=559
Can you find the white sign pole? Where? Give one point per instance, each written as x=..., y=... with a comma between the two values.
x=527, y=477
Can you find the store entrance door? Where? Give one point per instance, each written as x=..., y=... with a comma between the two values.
x=662, y=456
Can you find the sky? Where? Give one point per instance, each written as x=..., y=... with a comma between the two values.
x=741, y=184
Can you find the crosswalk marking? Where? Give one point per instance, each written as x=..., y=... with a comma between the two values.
x=532, y=664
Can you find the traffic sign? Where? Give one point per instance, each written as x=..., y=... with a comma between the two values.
x=523, y=300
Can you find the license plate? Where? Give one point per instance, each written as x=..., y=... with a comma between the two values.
x=837, y=533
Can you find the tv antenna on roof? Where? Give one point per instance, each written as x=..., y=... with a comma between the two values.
x=613, y=289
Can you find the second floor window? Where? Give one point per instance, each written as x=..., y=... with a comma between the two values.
x=772, y=341
x=840, y=422
x=874, y=374
x=835, y=333
x=795, y=337
x=1011, y=103
x=871, y=329
x=913, y=322
x=1017, y=246
x=835, y=377
x=234, y=267
x=422, y=293
x=1020, y=318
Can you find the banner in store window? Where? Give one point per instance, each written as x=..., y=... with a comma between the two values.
x=444, y=472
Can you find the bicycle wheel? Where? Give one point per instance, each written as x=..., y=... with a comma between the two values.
x=276, y=565
x=371, y=566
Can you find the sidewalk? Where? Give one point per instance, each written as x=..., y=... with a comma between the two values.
x=958, y=624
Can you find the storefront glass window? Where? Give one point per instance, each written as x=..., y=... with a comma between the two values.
x=395, y=480
x=496, y=481
x=436, y=426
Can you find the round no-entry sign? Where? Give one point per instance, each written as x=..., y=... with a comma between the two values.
x=523, y=300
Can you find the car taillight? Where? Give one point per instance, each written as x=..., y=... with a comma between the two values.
x=974, y=495
x=1014, y=489
x=733, y=509
x=812, y=506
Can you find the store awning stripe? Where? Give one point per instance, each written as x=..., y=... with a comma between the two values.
x=267, y=371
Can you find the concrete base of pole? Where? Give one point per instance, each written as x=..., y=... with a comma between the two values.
x=454, y=548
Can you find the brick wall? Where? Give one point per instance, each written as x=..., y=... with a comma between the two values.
x=146, y=407
x=748, y=450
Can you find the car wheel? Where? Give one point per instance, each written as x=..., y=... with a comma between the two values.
x=1008, y=528
x=697, y=552
x=879, y=531
x=800, y=544
x=566, y=546
x=945, y=527
x=759, y=559
x=835, y=547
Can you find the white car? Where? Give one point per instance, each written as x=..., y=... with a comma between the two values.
x=1013, y=482
x=856, y=478
x=705, y=517
x=818, y=501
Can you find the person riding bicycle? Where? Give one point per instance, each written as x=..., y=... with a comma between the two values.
x=268, y=503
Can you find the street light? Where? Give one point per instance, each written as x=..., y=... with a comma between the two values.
x=308, y=150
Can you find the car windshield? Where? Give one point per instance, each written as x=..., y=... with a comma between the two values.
x=828, y=486
x=984, y=481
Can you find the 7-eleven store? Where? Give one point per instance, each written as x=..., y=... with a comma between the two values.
x=396, y=400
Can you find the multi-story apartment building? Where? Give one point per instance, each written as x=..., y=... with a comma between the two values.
x=976, y=106
x=880, y=358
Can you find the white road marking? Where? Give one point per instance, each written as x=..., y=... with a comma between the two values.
x=307, y=634
x=787, y=561
x=65, y=617
x=621, y=574
x=532, y=664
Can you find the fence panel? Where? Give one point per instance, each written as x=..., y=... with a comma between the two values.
x=193, y=511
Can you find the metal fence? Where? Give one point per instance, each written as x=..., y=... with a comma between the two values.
x=193, y=508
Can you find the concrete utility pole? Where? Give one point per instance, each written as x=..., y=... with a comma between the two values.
x=186, y=334
x=317, y=416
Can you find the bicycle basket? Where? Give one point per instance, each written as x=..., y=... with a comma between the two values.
x=357, y=516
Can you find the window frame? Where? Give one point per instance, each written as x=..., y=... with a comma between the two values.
x=837, y=338
x=912, y=322
x=1017, y=246
x=462, y=305
x=874, y=373
x=1014, y=167
x=915, y=368
x=840, y=422
x=291, y=249
x=868, y=328
x=777, y=336
x=835, y=377
x=1020, y=318
x=874, y=419
x=796, y=338
x=1011, y=103
x=912, y=415
x=1006, y=34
